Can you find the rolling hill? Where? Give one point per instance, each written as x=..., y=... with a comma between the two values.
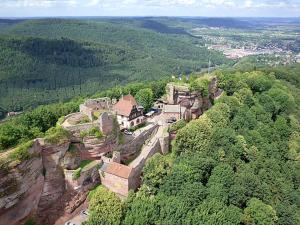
x=47, y=60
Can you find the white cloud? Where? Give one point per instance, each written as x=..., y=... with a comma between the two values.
x=155, y=6
x=37, y=3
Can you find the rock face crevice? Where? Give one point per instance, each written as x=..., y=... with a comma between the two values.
x=54, y=184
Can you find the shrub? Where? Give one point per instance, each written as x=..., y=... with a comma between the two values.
x=105, y=207
x=57, y=135
x=76, y=174
x=30, y=221
x=21, y=153
x=177, y=126
x=94, y=132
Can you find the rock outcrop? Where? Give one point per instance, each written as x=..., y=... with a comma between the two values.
x=54, y=185
x=37, y=186
x=21, y=188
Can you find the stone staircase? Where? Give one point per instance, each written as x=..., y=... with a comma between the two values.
x=95, y=148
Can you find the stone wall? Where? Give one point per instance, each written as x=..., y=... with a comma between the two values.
x=89, y=176
x=82, y=127
x=140, y=162
x=115, y=183
x=106, y=123
x=86, y=111
x=158, y=143
x=131, y=148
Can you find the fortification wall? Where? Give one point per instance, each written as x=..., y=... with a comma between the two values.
x=86, y=111
x=131, y=148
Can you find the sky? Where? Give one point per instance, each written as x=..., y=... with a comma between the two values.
x=207, y=8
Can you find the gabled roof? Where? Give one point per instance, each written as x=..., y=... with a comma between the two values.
x=124, y=105
x=117, y=169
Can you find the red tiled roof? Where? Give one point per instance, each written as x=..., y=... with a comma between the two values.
x=124, y=105
x=117, y=169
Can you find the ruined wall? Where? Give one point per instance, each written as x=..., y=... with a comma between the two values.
x=106, y=123
x=139, y=163
x=88, y=177
x=86, y=111
x=81, y=127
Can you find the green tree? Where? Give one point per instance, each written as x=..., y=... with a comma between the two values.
x=145, y=98
x=214, y=212
x=194, y=137
x=105, y=208
x=141, y=210
x=155, y=171
x=259, y=213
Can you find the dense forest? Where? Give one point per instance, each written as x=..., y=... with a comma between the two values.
x=236, y=164
x=46, y=60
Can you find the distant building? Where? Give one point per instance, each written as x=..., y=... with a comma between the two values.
x=176, y=111
x=129, y=114
x=192, y=103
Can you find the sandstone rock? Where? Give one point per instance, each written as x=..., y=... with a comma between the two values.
x=22, y=198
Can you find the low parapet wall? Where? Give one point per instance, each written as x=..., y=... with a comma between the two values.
x=81, y=127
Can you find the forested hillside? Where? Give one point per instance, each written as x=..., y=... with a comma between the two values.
x=236, y=164
x=56, y=59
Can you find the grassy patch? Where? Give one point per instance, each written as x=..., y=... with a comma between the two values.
x=93, y=132
x=89, y=165
x=76, y=173
x=121, y=139
x=84, y=119
x=21, y=153
x=56, y=135
x=84, y=165
x=60, y=120
x=30, y=221
x=96, y=115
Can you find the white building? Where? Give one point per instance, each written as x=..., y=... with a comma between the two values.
x=129, y=114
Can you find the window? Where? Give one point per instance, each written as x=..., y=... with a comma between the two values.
x=138, y=121
x=132, y=124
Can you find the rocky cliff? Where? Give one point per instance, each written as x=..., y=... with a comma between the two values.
x=37, y=186
x=21, y=187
